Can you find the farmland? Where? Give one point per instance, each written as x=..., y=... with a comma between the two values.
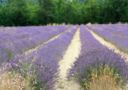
x=64, y=57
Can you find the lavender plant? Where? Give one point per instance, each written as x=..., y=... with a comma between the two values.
x=42, y=65
x=115, y=33
x=93, y=61
x=49, y=56
x=15, y=41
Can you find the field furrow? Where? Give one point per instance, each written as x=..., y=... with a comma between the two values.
x=9, y=51
x=116, y=34
x=110, y=46
x=97, y=65
x=70, y=56
x=43, y=63
x=64, y=57
x=44, y=43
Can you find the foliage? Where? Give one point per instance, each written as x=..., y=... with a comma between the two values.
x=35, y=12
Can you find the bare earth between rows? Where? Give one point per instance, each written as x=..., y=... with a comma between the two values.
x=71, y=55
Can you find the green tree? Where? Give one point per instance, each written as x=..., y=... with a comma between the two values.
x=46, y=11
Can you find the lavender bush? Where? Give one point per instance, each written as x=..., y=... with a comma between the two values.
x=117, y=34
x=42, y=65
x=93, y=56
x=49, y=56
x=15, y=41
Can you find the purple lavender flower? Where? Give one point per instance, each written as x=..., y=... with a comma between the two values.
x=94, y=55
x=16, y=40
x=115, y=33
x=43, y=64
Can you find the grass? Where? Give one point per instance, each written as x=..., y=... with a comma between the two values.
x=10, y=80
x=14, y=81
x=20, y=79
x=103, y=78
x=103, y=82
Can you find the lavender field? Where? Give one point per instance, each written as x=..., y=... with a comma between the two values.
x=64, y=57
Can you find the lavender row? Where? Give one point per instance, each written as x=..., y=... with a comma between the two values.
x=25, y=38
x=93, y=55
x=26, y=34
x=117, y=34
x=50, y=56
x=44, y=63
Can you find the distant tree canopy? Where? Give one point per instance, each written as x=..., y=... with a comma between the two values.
x=41, y=12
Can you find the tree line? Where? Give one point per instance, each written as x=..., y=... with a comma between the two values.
x=42, y=12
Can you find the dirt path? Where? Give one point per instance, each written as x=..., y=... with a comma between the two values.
x=71, y=55
x=110, y=46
